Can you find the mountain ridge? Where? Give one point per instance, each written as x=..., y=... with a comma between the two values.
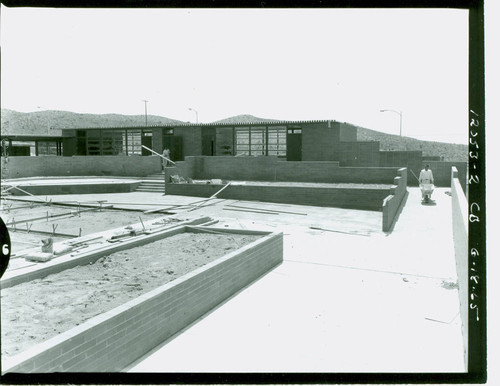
x=51, y=121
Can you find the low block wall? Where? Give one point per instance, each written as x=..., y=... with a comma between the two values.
x=53, y=166
x=442, y=172
x=392, y=204
x=273, y=169
x=460, y=240
x=115, y=187
x=348, y=198
x=115, y=339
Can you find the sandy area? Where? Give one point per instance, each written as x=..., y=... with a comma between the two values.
x=86, y=222
x=38, y=310
x=91, y=222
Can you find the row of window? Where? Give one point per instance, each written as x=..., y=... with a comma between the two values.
x=247, y=141
x=112, y=142
x=259, y=141
x=31, y=148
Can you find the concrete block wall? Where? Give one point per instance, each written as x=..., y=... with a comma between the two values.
x=53, y=166
x=115, y=339
x=441, y=170
x=191, y=140
x=319, y=142
x=392, y=204
x=460, y=241
x=158, y=140
x=40, y=190
x=348, y=198
x=348, y=132
x=359, y=153
x=412, y=160
x=272, y=169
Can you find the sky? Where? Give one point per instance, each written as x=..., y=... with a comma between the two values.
x=287, y=64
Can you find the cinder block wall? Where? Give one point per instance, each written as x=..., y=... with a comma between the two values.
x=53, y=166
x=392, y=203
x=412, y=160
x=271, y=169
x=359, y=153
x=320, y=142
x=115, y=339
x=460, y=240
x=441, y=171
x=191, y=140
x=363, y=199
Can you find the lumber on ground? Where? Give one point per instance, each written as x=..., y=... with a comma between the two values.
x=250, y=210
x=266, y=210
x=337, y=231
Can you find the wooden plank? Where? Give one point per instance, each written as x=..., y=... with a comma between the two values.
x=337, y=231
x=267, y=210
x=215, y=194
x=171, y=207
x=55, y=234
x=254, y=211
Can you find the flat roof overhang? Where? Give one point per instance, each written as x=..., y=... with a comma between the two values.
x=213, y=124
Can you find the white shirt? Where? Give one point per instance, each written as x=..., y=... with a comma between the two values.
x=426, y=177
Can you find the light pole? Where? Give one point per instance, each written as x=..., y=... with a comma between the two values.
x=146, y=110
x=196, y=112
x=400, y=113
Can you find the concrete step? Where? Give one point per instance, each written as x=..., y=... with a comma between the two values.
x=152, y=185
x=156, y=177
x=150, y=190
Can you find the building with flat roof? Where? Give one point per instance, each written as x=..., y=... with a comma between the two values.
x=31, y=145
x=289, y=140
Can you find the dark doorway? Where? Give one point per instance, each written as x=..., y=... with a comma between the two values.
x=174, y=144
x=294, y=145
x=208, y=141
x=148, y=142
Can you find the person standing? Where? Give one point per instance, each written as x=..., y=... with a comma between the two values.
x=425, y=177
x=166, y=154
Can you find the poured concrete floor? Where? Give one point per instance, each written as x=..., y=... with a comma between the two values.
x=350, y=299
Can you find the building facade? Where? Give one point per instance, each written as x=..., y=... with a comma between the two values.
x=288, y=140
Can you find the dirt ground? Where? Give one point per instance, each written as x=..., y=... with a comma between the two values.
x=74, y=224
x=38, y=310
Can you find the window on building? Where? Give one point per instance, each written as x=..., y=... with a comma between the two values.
x=47, y=148
x=134, y=142
x=276, y=141
x=94, y=142
x=112, y=142
x=258, y=141
x=242, y=140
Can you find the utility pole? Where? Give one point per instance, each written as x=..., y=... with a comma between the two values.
x=146, y=110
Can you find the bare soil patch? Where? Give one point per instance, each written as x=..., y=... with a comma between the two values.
x=84, y=223
x=38, y=310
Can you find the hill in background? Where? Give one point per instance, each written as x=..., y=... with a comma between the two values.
x=449, y=151
x=51, y=122
x=245, y=118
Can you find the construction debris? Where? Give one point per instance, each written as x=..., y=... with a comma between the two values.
x=266, y=210
x=250, y=210
x=176, y=179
